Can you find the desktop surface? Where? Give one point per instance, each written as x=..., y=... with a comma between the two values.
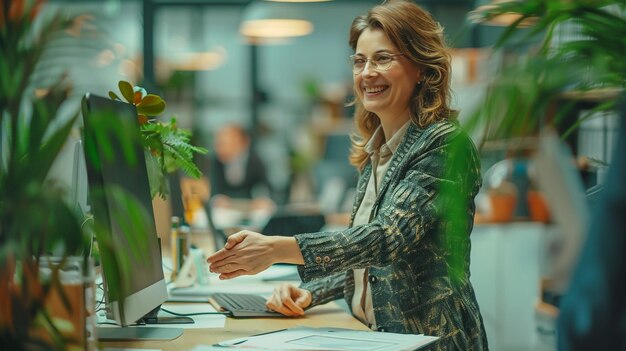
x=328, y=315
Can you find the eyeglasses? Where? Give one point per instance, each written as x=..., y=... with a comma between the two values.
x=379, y=62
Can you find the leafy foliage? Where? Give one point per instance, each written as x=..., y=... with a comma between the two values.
x=168, y=146
x=34, y=219
x=524, y=93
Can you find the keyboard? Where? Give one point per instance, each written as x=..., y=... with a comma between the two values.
x=244, y=305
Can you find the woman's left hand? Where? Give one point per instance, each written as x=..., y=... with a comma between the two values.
x=245, y=253
x=289, y=300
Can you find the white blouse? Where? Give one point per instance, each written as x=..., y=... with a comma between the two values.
x=362, y=300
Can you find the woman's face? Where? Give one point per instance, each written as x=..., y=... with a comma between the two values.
x=385, y=92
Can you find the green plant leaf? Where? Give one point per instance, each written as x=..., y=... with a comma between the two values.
x=127, y=91
x=151, y=110
x=5, y=84
x=114, y=96
x=43, y=160
x=156, y=175
x=150, y=99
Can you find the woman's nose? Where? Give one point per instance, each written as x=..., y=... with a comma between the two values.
x=369, y=69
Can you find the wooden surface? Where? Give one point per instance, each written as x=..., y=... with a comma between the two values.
x=328, y=315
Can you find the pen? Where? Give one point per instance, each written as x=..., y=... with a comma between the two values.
x=232, y=342
x=269, y=332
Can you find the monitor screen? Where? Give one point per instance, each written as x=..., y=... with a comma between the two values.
x=120, y=198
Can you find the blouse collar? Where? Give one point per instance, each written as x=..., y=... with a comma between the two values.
x=377, y=141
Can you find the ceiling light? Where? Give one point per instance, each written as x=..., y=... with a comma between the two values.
x=273, y=20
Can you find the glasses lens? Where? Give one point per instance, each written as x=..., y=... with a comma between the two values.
x=382, y=62
x=358, y=63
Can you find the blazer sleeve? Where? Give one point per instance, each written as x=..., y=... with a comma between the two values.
x=417, y=204
x=326, y=289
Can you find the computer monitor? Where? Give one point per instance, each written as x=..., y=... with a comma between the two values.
x=122, y=207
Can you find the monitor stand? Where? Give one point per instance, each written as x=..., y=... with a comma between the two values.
x=146, y=332
x=152, y=317
x=138, y=333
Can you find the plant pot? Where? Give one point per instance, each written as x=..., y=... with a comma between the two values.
x=72, y=307
x=502, y=207
x=538, y=207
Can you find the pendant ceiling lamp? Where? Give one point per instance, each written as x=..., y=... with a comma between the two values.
x=273, y=20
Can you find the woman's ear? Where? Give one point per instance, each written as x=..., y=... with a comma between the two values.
x=420, y=76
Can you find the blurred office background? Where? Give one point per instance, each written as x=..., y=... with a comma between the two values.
x=292, y=93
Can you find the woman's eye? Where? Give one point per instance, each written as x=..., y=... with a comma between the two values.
x=382, y=59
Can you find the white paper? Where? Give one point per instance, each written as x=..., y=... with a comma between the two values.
x=305, y=338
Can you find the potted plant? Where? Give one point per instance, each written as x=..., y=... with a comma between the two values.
x=34, y=218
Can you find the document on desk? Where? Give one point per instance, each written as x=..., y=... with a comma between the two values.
x=305, y=338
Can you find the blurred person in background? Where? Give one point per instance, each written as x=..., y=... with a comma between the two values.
x=403, y=264
x=236, y=172
x=592, y=314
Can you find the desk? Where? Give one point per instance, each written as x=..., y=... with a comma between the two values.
x=328, y=315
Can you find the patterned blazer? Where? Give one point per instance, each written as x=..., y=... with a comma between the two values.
x=416, y=246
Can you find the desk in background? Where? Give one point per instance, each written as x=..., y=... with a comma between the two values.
x=507, y=264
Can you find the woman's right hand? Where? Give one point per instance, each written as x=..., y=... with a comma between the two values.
x=289, y=300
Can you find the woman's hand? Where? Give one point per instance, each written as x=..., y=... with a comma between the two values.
x=245, y=253
x=289, y=300
x=248, y=253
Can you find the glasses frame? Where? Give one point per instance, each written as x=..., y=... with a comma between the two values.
x=372, y=63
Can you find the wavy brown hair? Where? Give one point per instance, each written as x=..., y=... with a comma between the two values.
x=420, y=39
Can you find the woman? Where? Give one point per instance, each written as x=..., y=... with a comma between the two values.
x=403, y=265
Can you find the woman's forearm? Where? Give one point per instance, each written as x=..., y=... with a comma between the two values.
x=286, y=250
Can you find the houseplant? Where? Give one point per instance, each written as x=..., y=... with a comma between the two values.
x=168, y=147
x=34, y=219
x=550, y=67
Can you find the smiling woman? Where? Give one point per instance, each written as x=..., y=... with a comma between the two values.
x=430, y=56
x=403, y=264
x=384, y=89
